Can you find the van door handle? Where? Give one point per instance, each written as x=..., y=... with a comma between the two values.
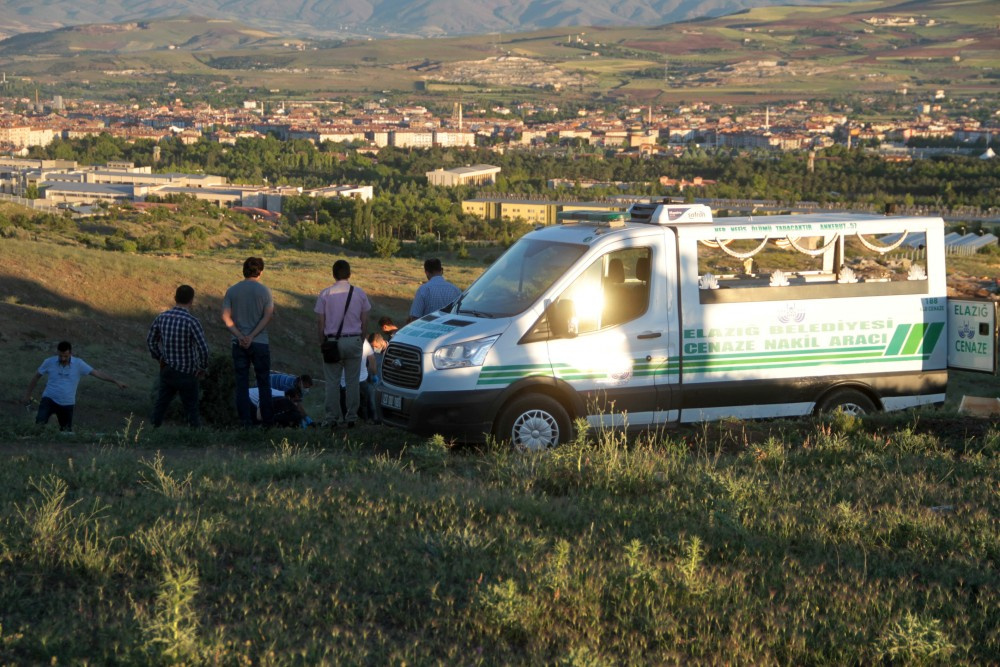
x=649, y=334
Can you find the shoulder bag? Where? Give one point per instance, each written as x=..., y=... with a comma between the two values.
x=331, y=348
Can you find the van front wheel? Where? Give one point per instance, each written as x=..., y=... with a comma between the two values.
x=850, y=401
x=533, y=422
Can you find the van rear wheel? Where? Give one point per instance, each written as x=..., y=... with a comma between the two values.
x=850, y=401
x=533, y=422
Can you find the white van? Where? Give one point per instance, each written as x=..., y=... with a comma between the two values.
x=666, y=316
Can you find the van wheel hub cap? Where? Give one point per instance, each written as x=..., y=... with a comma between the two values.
x=535, y=429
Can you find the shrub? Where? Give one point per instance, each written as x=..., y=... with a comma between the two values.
x=385, y=246
x=218, y=389
x=119, y=243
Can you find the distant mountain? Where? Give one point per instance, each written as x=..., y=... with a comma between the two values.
x=184, y=33
x=340, y=18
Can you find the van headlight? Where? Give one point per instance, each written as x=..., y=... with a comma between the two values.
x=463, y=355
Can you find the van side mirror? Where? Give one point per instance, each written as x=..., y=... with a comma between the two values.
x=562, y=319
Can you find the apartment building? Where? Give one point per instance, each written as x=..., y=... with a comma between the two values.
x=454, y=138
x=532, y=211
x=480, y=174
x=411, y=139
x=25, y=136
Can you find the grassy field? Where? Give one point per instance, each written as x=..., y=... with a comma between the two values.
x=836, y=541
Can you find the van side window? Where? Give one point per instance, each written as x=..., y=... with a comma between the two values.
x=779, y=265
x=611, y=291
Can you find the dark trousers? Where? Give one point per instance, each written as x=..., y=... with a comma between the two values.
x=173, y=382
x=257, y=355
x=367, y=409
x=64, y=413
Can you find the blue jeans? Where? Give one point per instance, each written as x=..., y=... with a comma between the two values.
x=64, y=413
x=173, y=382
x=257, y=355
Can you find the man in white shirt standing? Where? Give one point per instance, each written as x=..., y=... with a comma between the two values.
x=434, y=294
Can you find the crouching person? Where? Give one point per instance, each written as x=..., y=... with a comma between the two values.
x=287, y=407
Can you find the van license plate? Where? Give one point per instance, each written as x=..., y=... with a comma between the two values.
x=392, y=401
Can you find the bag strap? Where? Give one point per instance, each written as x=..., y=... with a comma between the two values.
x=343, y=317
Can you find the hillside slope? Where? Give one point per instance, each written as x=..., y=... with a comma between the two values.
x=328, y=18
x=192, y=33
x=103, y=302
x=764, y=55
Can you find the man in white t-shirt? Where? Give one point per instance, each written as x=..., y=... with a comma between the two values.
x=59, y=398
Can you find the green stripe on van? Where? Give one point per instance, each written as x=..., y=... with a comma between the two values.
x=914, y=340
x=896, y=344
x=933, y=334
x=909, y=343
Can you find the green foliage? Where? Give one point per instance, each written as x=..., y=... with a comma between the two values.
x=162, y=241
x=385, y=246
x=405, y=207
x=916, y=641
x=172, y=629
x=610, y=550
x=61, y=536
x=119, y=243
x=218, y=392
x=162, y=481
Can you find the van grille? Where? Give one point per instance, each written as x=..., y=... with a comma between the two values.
x=401, y=366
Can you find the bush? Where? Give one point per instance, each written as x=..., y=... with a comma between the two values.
x=218, y=391
x=120, y=243
x=170, y=241
x=385, y=246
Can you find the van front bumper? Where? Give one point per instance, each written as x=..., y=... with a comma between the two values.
x=466, y=416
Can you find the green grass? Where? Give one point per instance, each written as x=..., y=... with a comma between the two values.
x=831, y=542
x=838, y=541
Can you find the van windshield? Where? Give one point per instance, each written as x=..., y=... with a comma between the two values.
x=519, y=278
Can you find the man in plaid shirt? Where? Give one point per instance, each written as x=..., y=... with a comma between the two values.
x=177, y=340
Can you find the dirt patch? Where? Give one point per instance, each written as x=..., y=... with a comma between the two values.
x=969, y=287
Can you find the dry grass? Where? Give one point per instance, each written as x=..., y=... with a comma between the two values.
x=104, y=301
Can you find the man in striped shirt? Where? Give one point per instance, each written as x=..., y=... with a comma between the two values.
x=176, y=340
